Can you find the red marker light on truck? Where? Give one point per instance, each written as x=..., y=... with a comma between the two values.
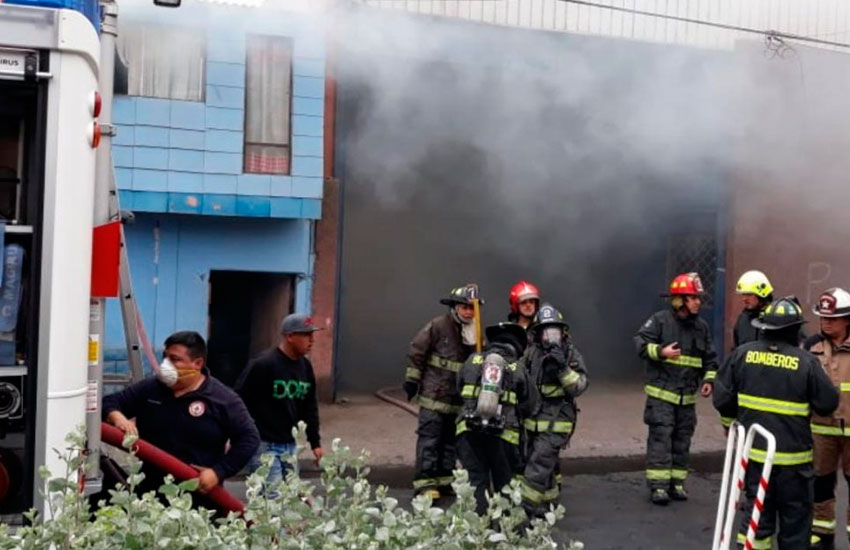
x=94, y=133
x=95, y=104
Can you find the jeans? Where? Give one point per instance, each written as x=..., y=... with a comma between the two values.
x=279, y=466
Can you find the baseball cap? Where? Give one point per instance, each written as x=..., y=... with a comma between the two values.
x=297, y=322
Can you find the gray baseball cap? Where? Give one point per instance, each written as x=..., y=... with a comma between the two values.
x=297, y=322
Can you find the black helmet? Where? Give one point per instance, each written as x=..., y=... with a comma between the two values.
x=548, y=315
x=782, y=313
x=462, y=295
x=508, y=333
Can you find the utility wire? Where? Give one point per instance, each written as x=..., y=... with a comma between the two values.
x=768, y=33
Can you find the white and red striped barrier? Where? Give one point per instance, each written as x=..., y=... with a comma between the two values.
x=738, y=446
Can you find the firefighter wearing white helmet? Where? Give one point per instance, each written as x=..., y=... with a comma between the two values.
x=831, y=433
x=756, y=293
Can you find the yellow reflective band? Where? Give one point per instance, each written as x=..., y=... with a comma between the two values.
x=511, y=436
x=726, y=421
x=820, y=429
x=845, y=386
x=678, y=475
x=782, y=459
x=659, y=475
x=827, y=525
x=710, y=375
x=413, y=373
x=652, y=350
x=477, y=359
x=437, y=406
x=570, y=379
x=685, y=361
x=424, y=482
x=445, y=364
x=669, y=396
x=461, y=427
x=470, y=391
x=530, y=494
x=558, y=426
x=775, y=406
x=758, y=544
x=551, y=390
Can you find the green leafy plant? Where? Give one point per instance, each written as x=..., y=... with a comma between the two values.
x=341, y=510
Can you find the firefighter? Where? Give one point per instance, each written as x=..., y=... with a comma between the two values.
x=436, y=355
x=496, y=394
x=776, y=384
x=756, y=293
x=675, y=345
x=558, y=371
x=524, y=300
x=830, y=433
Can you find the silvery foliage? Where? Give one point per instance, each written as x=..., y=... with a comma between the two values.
x=340, y=510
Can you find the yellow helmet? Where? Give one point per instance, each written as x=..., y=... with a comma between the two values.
x=754, y=282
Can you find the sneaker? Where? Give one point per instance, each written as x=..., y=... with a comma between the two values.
x=678, y=492
x=660, y=497
x=434, y=494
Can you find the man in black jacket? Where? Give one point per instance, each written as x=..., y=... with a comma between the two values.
x=186, y=412
x=774, y=383
x=279, y=388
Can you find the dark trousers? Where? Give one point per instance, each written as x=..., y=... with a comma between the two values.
x=490, y=461
x=668, y=445
x=830, y=453
x=436, y=453
x=540, y=479
x=789, y=498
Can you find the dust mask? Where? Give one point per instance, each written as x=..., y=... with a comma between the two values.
x=167, y=373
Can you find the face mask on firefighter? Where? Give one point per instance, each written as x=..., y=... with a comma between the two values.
x=551, y=336
x=167, y=373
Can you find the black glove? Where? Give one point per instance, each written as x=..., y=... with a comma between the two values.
x=411, y=388
x=557, y=353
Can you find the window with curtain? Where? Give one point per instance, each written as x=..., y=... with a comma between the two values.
x=268, y=91
x=162, y=61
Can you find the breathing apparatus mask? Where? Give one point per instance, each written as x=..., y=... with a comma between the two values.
x=551, y=337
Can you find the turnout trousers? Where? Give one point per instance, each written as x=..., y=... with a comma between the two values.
x=831, y=452
x=491, y=462
x=668, y=445
x=436, y=453
x=789, y=499
x=541, y=478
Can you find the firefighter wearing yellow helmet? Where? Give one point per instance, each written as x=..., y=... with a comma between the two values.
x=831, y=433
x=756, y=293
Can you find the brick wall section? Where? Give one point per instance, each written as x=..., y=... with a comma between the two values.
x=325, y=270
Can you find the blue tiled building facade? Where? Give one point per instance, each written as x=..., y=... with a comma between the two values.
x=180, y=167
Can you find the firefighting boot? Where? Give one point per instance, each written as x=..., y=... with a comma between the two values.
x=822, y=542
x=678, y=492
x=659, y=496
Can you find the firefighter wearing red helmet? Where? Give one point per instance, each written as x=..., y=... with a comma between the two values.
x=676, y=347
x=524, y=300
x=436, y=355
x=831, y=433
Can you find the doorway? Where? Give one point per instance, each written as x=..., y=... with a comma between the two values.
x=245, y=311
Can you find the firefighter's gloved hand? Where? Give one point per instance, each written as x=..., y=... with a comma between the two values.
x=411, y=389
x=557, y=353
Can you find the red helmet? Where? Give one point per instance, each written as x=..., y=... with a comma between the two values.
x=522, y=291
x=687, y=284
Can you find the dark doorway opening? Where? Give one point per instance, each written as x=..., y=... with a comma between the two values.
x=244, y=316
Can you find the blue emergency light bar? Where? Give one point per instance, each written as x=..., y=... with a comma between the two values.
x=89, y=8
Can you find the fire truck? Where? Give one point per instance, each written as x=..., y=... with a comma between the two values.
x=49, y=132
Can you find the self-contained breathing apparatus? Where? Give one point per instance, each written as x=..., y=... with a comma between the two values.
x=488, y=416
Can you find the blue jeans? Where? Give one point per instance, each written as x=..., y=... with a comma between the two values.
x=279, y=466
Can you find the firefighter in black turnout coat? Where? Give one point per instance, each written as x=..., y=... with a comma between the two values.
x=774, y=383
x=436, y=354
x=558, y=371
x=496, y=395
x=677, y=351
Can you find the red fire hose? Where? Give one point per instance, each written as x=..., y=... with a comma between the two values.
x=169, y=464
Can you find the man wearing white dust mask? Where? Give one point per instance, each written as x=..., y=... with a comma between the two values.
x=186, y=412
x=436, y=355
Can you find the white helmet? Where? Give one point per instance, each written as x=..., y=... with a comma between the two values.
x=834, y=302
x=754, y=282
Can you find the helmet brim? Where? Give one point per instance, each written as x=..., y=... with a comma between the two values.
x=761, y=325
x=837, y=314
x=454, y=301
